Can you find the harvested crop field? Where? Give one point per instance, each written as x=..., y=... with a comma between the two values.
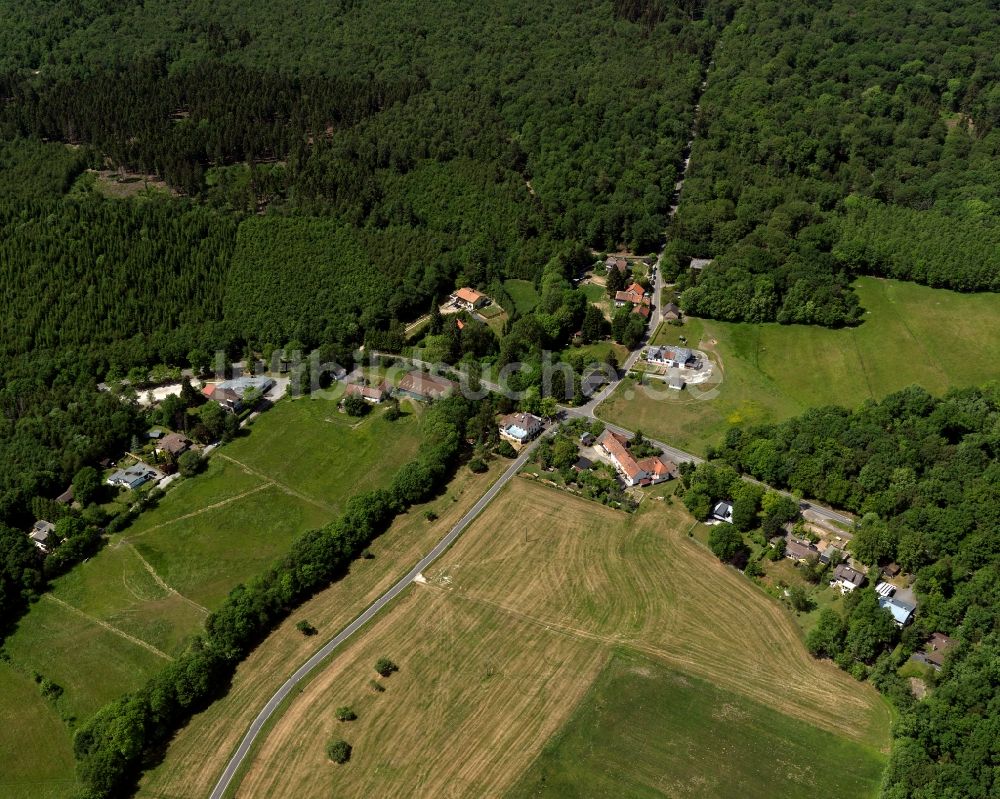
x=513, y=627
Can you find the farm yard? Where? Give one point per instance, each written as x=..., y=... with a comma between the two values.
x=770, y=372
x=113, y=621
x=512, y=632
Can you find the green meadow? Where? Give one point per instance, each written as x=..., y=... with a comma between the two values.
x=912, y=334
x=523, y=293
x=116, y=619
x=644, y=730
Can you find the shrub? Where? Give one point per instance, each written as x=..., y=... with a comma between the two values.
x=367, y=554
x=338, y=751
x=477, y=466
x=305, y=627
x=190, y=463
x=376, y=686
x=355, y=405
x=430, y=515
x=346, y=714
x=504, y=448
x=385, y=667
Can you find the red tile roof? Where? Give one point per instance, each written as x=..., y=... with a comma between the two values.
x=465, y=294
x=614, y=443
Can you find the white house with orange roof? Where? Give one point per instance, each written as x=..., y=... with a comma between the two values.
x=469, y=298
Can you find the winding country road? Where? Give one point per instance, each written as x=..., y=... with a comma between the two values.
x=306, y=668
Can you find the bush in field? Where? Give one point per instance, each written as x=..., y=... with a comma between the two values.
x=345, y=713
x=385, y=667
x=305, y=627
x=338, y=751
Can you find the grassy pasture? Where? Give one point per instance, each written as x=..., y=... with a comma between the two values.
x=35, y=751
x=112, y=622
x=911, y=334
x=523, y=293
x=514, y=626
x=645, y=730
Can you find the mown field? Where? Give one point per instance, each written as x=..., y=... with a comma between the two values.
x=911, y=334
x=113, y=621
x=515, y=626
x=199, y=752
x=645, y=730
x=523, y=293
x=36, y=753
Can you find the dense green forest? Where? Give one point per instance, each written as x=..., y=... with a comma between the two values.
x=923, y=473
x=333, y=169
x=809, y=103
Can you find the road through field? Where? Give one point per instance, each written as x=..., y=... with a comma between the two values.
x=303, y=671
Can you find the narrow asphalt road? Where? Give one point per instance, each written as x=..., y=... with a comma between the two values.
x=306, y=668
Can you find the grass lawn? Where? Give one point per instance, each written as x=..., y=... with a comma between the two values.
x=523, y=293
x=911, y=334
x=113, y=621
x=35, y=751
x=517, y=622
x=645, y=730
x=594, y=292
x=598, y=351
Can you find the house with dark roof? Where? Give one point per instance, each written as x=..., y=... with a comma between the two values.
x=673, y=357
x=583, y=465
x=42, y=535
x=938, y=646
x=66, y=497
x=173, y=444
x=846, y=578
x=520, y=428
x=671, y=312
x=425, y=387
x=234, y=394
x=800, y=550
x=134, y=476
x=723, y=511
x=616, y=262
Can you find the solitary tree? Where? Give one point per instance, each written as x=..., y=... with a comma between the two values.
x=385, y=667
x=339, y=751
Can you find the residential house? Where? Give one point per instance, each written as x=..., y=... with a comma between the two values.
x=697, y=264
x=469, y=299
x=134, y=476
x=370, y=394
x=674, y=357
x=231, y=394
x=592, y=382
x=723, y=511
x=799, y=550
x=634, y=295
x=42, y=535
x=671, y=312
x=66, y=497
x=828, y=554
x=174, y=444
x=901, y=611
x=519, y=428
x=643, y=310
x=846, y=578
x=425, y=387
x=647, y=471
x=939, y=644
x=616, y=262
x=891, y=570
x=583, y=465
